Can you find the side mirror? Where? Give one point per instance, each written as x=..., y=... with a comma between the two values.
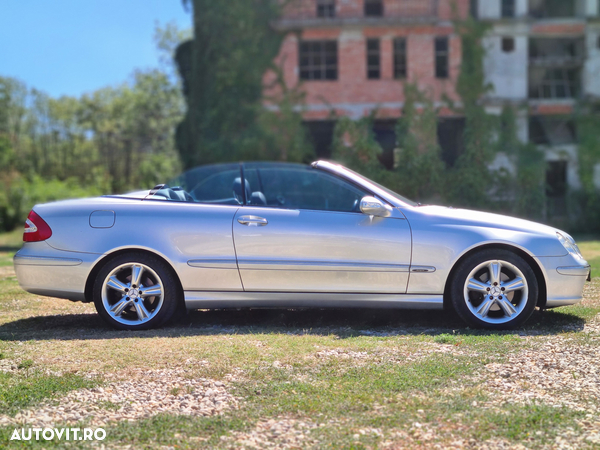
x=374, y=207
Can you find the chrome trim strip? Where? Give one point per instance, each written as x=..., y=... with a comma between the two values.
x=45, y=261
x=257, y=264
x=204, y=300
x=213, y=263
x=422, y=269
x=574, y=271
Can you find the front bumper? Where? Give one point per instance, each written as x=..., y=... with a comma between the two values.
x=44, y=270
x=565, y=278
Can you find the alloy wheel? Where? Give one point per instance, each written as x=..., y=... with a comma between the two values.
x=132, y=293
x=496, y=291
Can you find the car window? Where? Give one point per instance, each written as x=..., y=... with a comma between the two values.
x=218, y=183
x=216, y=186
x=300, y=188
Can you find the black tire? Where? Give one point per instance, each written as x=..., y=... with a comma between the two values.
x=154, y=273
x=483, y=304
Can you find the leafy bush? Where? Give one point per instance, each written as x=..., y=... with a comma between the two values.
x=20, y=195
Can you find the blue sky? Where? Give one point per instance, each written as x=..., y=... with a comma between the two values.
x=70, y=47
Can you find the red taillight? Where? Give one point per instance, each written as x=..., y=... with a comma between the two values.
x=36, y=229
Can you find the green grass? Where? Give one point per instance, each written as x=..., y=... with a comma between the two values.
x=10, y=243
x=29, y=387
x=6, y=259
x=591, y=252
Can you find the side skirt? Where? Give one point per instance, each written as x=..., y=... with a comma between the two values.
x=220, y=300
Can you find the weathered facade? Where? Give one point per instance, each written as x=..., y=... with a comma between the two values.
x=353, y=56
x=544, y=55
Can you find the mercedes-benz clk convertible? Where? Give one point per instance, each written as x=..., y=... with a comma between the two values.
x=277, y=235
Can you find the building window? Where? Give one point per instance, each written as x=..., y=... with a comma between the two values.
x=321, y=134
x=508, y=44
x=508, y=8
x=552, y=130
x=474, y=8
x=441, y=57
x=373, y=59
x=544, y=9
x=400, y=58
x=373, y=8
x=555, y=67
x=318, y=60
x=556, y=179
x=384, y=132
x=450, y=133
x=559, y=50
x=554, y=82
x=325, y=8
x=556, y=188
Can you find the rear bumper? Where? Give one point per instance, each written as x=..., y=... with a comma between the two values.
x=565, y=278
x=43, y=270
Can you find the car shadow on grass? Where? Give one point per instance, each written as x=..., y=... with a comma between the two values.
x=344, y=323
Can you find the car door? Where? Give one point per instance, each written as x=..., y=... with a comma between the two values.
x=301, y=230
x=194, y=224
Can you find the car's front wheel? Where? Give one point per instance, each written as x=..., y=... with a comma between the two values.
x=135, y=291
x=495, y=289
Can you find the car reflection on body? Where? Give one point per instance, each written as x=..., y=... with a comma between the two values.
x=280, y=235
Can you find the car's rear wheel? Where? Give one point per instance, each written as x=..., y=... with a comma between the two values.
x=135, y=291
x=495, y=289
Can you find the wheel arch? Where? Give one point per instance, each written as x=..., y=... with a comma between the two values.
x=89, y=284
x=537, y=270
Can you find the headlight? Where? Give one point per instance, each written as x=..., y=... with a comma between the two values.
x=569, y=244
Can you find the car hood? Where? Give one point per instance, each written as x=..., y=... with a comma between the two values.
x=468, y=217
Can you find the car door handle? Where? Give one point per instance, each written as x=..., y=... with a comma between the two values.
x=252, y=221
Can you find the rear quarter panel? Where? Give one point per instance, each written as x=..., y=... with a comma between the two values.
x=178, y=232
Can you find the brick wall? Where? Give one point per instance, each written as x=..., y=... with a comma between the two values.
x=352, y=93
x=306, y=9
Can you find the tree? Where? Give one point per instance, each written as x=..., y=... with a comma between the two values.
x=354, y=145
x=222, y=68
x=471, y=172
x=132, y=128
x=419, y=173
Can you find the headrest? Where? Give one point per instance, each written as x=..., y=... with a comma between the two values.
x=237, y=188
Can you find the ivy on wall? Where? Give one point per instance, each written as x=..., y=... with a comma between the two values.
x=475, y=180
x=419, y=171
x=587, y=119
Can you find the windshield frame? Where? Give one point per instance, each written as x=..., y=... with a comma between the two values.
x=387, y=194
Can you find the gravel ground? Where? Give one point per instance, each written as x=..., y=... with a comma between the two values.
x=282, y=433
x=143, y=394
x=554, y=373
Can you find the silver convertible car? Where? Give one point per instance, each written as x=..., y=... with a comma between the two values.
x=264, y=235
